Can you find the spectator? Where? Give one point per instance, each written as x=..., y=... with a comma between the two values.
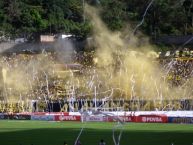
x=102, y=142
x=78, y=143
x=65, y=143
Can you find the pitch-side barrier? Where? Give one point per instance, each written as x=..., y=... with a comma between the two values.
x=138, y=116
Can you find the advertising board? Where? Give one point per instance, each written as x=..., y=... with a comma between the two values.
x=185, y=120
x=122, y=118
x=151, y=119
x=66, y=118
x=1, y=116
x=43, y=117
x=17, y=117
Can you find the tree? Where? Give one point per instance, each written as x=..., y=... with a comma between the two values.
x=113, y=13
x=33, y=17
x=188, y=9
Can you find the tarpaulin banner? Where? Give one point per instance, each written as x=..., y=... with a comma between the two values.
x=186, y=120
x=151, y=119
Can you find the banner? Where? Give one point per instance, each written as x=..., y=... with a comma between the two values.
x=17, y=117
x=39, y=113
x=95, y=118
x=43, y=117
x=122, y=118
x=58, y=113
x=186, y=120
x=109, y=118
x=151, y=119
x=66, y=118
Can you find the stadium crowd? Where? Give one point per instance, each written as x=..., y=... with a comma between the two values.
x=46, y=90
x=87, y=104
x=179, y=70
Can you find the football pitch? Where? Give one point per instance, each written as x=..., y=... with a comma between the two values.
x=55, y=133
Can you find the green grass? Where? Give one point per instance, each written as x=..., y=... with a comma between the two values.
x=54, y=133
